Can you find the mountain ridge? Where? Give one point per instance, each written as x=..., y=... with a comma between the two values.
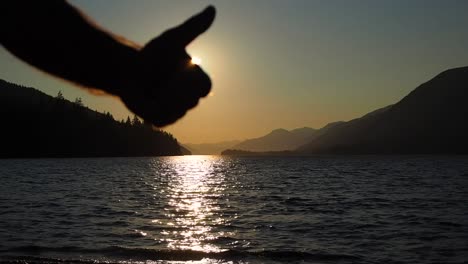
x=210, y=148
x=277, y=140
x=430, y=119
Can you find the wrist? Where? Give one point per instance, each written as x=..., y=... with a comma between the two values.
x=124, y=65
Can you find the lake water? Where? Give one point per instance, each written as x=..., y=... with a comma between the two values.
x=212, y=209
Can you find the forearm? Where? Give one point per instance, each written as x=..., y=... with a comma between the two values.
x=55, y=37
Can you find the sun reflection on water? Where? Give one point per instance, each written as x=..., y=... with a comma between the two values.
x=195, y=185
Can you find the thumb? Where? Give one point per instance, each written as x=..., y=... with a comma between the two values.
x=193, y=27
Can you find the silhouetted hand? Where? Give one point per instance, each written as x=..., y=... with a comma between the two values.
x=157, y=82
x=165, y=84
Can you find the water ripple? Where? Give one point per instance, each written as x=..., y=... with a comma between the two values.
x=235, y=210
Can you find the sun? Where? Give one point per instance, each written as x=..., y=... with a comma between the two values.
x=196, y=60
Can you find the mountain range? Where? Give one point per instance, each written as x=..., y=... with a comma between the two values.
x=278, y=140
x=282, y=139
x=210, y=148
x=432, y=119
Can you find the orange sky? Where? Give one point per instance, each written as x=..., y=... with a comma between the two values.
x=284, y=64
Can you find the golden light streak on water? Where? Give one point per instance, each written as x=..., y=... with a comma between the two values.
x=191, y=210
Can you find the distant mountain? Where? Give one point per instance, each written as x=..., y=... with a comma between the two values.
x=37, y=125
x=210, y=148
x=234, y=152
x=185, y=151
x=432, y=119
x=278, y=140
x=325, y=129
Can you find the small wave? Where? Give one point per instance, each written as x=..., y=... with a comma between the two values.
x=88, y=255
x=452, y=224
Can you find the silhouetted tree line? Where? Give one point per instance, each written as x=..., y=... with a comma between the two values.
x=37, y=125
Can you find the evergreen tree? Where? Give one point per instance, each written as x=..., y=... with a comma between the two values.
x=79, y=102
x=109, y=116
x=128, y=122
x=136, y=121
x=60, y=96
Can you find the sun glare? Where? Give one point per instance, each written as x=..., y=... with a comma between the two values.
x=196, y=60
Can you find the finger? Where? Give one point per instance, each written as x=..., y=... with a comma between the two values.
x=193, y=82
x=189, y=102
x=161, y=117
x=171, y=117
x=193, y=27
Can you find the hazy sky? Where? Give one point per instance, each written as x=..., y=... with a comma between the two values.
x=285, y=64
